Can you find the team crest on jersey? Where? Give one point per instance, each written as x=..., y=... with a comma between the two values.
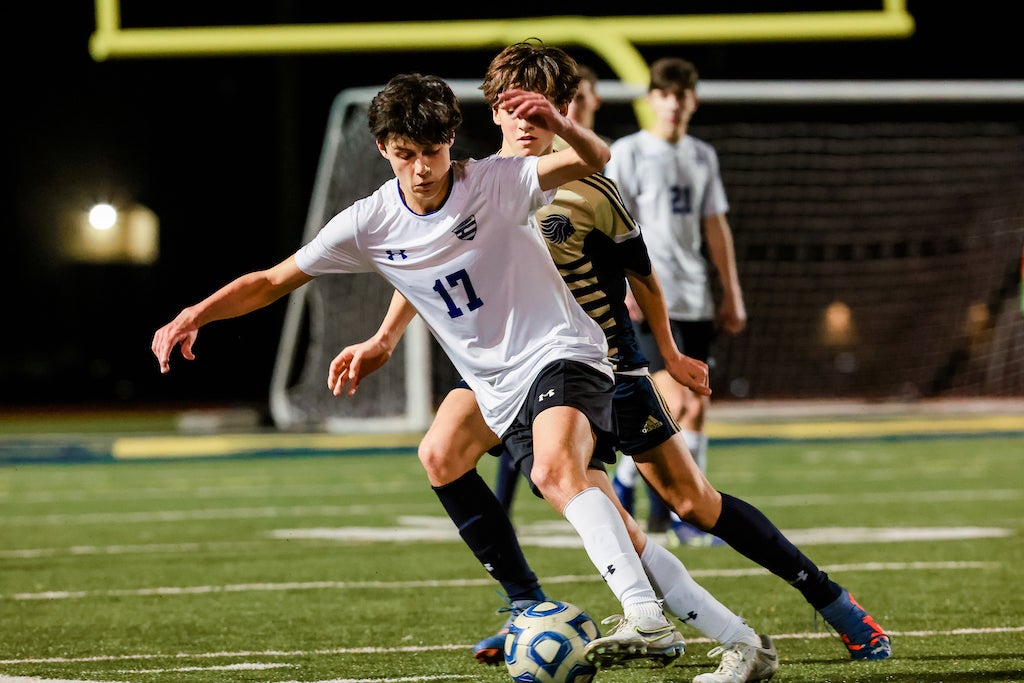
x=557, y=228
x=466, y=230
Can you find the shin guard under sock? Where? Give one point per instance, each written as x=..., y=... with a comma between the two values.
x=753, y=535
x=489, y=533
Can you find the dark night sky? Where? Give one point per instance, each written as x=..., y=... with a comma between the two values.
x=225, y=150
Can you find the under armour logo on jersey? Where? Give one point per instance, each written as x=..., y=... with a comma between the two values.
x=802, y=576
x=466, y=230
x=547, y=394
x=651, y=424
x=608, y=572
x=399, y=253
x=557, y=228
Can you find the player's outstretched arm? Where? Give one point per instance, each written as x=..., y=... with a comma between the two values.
x=357, y=361
x=240, y=296
x=689, y=372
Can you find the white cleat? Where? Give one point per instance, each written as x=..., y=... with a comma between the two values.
x=742, y=663
x=653, y=638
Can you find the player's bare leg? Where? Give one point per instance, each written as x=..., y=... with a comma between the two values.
x=449, y=452
x=456, y=440
x=563, y=446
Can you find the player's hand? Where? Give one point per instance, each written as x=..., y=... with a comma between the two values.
x=533, y=107
x=354, y=363
x=732, y=316
x=180, y=331
x=689, y=372
x=636, y=314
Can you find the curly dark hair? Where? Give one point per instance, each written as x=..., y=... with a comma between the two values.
x=420, y=108
x=531, y=65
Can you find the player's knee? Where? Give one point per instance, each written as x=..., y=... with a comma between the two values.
x=429, y=457
x=544, y=478
x=444, y=461
x=555, y=483
x=702, y=507
x=437, y=463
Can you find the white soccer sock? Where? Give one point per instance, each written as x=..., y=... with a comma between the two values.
x=625, y=471
x=697, y=442
x=690, y=602
x=607, y=543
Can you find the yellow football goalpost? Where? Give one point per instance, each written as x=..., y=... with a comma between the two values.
x=613, y=39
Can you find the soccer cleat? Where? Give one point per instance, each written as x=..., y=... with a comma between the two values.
x=863, y=637
x=685, y=534
x=653, y=638
x=491, y=650
x=743, y=663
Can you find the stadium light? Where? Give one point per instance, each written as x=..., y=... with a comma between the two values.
x=102, y=216
x=107, y=234
x=837, y=325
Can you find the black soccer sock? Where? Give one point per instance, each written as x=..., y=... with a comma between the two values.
x=753, y=535
x=506, y=483
x=488, y=532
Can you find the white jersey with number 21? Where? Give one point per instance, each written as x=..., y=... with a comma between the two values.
x=670, y=189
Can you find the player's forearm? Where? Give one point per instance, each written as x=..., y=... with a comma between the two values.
x=649, y=298
x=723, y=255
x=588, y=145
x=396, y=320
x=242, y=295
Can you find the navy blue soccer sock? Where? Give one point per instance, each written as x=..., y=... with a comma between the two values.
x=753, y=535
x=489, y=533
x=508, y=478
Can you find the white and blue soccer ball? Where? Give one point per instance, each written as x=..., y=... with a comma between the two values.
x=545, y=644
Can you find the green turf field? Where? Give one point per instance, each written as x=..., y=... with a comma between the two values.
x=345, y=569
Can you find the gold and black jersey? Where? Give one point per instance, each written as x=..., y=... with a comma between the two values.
x=593, y=241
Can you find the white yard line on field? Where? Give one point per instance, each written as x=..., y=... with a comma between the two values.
x=36, y=679
x=190, y=515
x=404, y=679
x=241, y=666
x=461, y=583
x=554, y=533
x=284, y=511
x=810, y=635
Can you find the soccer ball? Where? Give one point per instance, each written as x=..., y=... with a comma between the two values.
x=545, y=644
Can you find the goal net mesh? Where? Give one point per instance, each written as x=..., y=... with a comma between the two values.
x=879, y=246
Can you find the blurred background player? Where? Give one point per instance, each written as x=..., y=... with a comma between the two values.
x=585, y=103
x=670, y=182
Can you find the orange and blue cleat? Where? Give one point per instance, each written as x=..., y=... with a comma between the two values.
x=861, y=634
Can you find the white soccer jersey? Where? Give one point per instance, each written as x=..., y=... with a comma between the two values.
x=669, y=189
x=478, y=274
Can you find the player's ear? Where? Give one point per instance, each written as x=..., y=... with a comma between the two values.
x=382, y=148
x=495, y=116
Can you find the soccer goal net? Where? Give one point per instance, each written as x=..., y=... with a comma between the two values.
x=879, y=236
